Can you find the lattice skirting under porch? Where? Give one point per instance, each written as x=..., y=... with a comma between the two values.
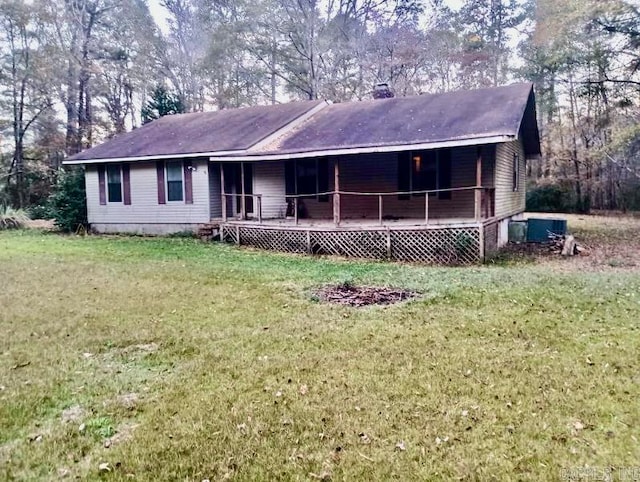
x=491, y=239
x=458, y=245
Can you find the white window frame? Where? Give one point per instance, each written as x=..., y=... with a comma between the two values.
x=166, y=181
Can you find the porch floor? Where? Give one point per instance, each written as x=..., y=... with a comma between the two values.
x=328, y=224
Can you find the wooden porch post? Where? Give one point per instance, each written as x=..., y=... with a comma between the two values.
x=336, y=192
x=426, y=208
x=380, y=209
x=478, y=190
x=223, y=195
x=259, y=205
x=481, y=248
x=243, y=203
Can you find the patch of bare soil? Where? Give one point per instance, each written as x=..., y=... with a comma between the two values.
x=609, y=243
x=596, y=257
x=350, y=295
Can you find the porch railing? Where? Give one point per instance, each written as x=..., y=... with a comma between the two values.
x=483, y=201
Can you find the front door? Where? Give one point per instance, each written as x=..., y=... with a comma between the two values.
x=248, y=185
x=233, y=176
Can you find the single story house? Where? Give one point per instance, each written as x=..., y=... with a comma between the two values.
x=430, y=178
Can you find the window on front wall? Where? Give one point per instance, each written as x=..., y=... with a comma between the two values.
x=425, y=171
x=516, y=172
x=175, y=191
x=308, y=176
x=114, y=183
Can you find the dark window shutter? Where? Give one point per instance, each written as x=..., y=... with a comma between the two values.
x=126, y=184
x=429, y=172
x=162, y=198
x=444, y=173
x=290, y=177
x=323, y=178
x=188, y=183
x=404, y=174
x=102, y=185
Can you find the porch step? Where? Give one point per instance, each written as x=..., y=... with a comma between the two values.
x=209, y=231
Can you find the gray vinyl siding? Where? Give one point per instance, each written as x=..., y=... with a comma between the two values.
x=144, y=208
x=215, y=193
x=268, y=180
x=507, y=200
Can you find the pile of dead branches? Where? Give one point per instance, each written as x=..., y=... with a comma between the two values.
x=350, y=295
x=564, y=245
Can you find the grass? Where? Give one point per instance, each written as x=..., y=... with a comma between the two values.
x=168, y=359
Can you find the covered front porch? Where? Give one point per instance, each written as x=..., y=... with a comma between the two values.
x=435, y=206
x=410, y=187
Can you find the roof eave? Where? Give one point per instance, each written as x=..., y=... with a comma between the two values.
x=246, y=157
x=71, y=162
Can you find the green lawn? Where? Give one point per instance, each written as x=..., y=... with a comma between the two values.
x=169, y=359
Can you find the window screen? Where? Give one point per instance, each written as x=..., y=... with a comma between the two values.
x=307, y=176
x=114, y=184
x=174, y=181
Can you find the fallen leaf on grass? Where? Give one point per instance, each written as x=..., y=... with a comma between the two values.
x=400, y=446
x=365, y=457
x=322, y=476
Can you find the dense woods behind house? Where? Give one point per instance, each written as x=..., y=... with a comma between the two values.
x=76, y=72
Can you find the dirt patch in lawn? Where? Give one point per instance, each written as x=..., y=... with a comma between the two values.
x=609, y=243
x=350, y=295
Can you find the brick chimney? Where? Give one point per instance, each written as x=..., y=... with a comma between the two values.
x=382, y=91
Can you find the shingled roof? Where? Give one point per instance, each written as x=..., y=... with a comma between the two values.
x=420, y=119
x=303, y=129
x=200, y=133
x=467, y=117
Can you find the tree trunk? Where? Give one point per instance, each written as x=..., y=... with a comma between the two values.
x=580, y=201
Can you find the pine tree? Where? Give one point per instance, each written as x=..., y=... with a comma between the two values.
x=162, y=103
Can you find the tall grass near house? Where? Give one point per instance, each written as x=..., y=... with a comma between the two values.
x=11, y=218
